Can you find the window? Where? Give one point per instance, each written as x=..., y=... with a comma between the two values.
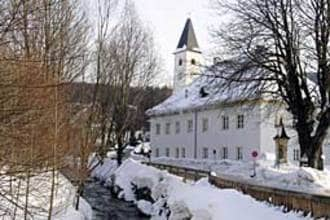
x=157, y=152
x=214, y=154
x=205, y=153
x=158, y=129
x=239, y=155
x=193, y=61
x=224, y=153
x=183, y=152
x=240, y=121
x=180, y=62
x=205, y=124
x=186, y=91
x=296, y=154
x=177, y=127
x=177, y=152
x=180, y=75
x=202, y=92
x=167, y=152
x=189, y=126
x=225, y=122
x=167, y=128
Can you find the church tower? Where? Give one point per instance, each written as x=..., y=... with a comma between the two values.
x=188, y=58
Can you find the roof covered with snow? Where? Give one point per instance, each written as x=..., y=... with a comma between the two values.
x=248, y=82
x=204, y=92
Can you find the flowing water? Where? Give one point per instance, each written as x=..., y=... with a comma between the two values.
x=106, y=207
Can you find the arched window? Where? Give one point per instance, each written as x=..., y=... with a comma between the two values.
x=180, y=62
x=193, y=62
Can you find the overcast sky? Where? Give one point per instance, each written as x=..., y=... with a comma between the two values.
x=167, y=18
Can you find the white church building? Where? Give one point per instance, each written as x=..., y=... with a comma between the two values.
x=199, y=121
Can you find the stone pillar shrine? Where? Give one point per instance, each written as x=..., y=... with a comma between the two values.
x=281, y=145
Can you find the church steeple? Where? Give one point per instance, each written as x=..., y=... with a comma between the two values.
x=188, y=38
x=188, y=58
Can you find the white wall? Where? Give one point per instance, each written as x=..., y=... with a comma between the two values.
x=172, y=140
x=215, y=138
x=257, y=134
x=326, y=152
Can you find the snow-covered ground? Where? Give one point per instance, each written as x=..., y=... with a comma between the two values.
x=169, y=196
x=39, y=199
x=290, y=177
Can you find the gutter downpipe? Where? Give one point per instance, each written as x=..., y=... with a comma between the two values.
x=195, y=133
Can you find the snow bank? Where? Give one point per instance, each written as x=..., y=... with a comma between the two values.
x=104, y=170
x=84, y=213
x=142, y=148
x=176, y=200
x=132, y=172
x=39, y=199
x=289, y=177
x=140, y=151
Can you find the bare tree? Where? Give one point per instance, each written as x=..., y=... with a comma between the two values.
x=86, y=131
x=277, y=47
x=129, y=61
x=43, y=48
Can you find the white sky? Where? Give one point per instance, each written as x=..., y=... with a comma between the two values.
x=166, y=18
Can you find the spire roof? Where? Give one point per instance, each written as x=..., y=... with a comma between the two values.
x=283, y=134
x=188, y=38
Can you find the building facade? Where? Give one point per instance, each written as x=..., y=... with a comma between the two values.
x=200, y=122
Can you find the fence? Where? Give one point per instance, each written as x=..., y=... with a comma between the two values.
x=317, y=205
x=186, y=173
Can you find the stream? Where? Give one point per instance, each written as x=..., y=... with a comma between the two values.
x=106, y=207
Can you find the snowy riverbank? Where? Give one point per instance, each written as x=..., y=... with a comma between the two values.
x=39, y=197
x=160, y=194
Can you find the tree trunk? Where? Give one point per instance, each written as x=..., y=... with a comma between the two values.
x=119, y=155
x=51, y=197
x=80, y=192
x=311, y=147
x=27, y=192
x=119, y=151
x=315, y=159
